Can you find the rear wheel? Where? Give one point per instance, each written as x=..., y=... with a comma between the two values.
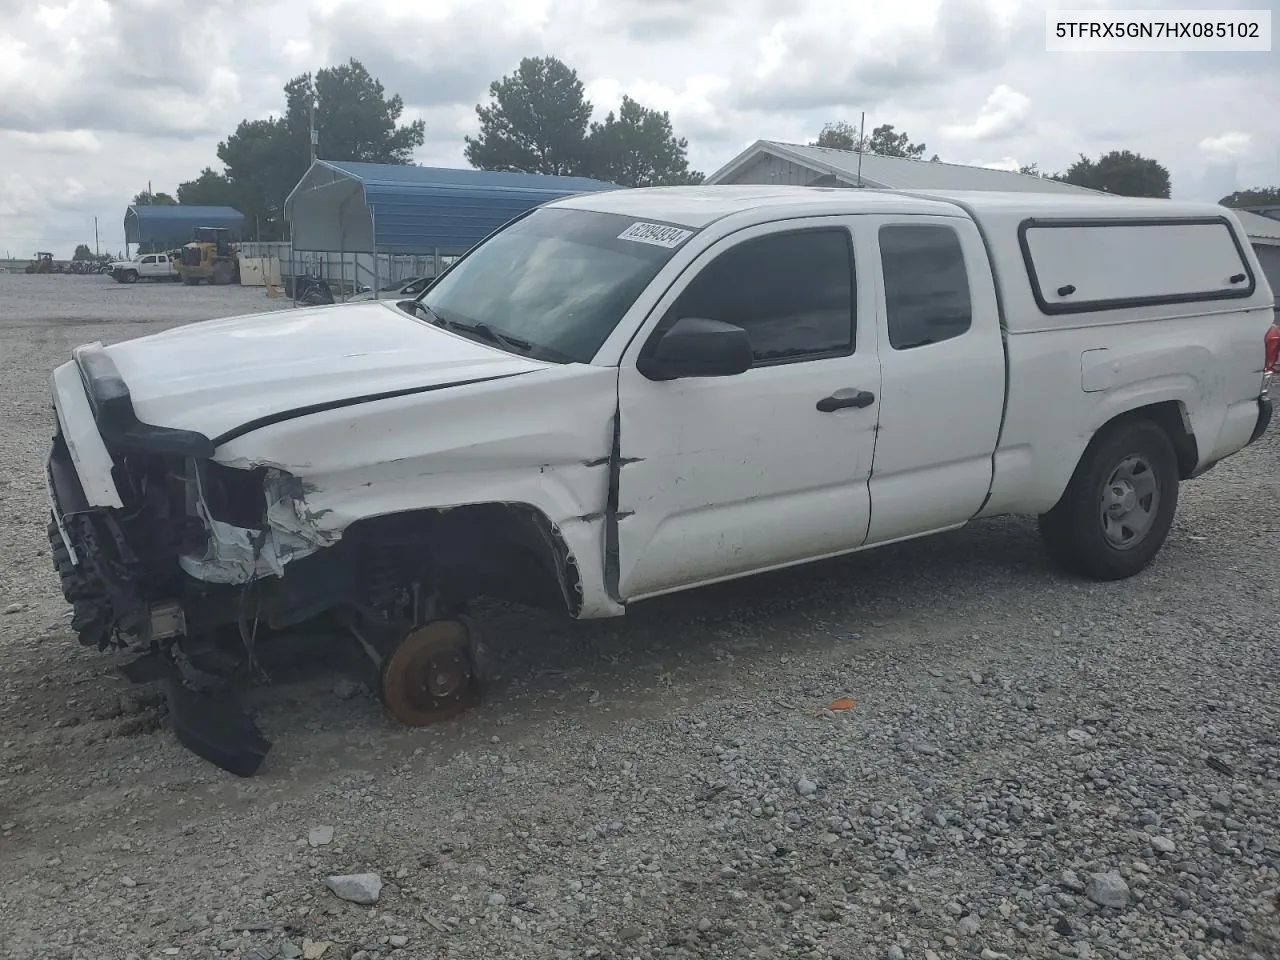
x=222, y=273
x=1118, y=508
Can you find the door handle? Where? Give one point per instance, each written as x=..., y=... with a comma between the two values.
x=846, y=398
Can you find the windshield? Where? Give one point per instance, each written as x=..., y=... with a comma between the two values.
x=558, y=279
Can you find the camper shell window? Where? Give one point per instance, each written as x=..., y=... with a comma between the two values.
x=1079, y=265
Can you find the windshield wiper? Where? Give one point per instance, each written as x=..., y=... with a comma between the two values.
x=485, y=331
x=482, y=329
x=497, y=336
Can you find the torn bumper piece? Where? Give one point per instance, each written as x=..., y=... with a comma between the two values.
x=216, y=729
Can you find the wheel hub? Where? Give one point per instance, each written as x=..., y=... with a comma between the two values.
x=1123, y=499
x=1129, y=503
x=429, y=677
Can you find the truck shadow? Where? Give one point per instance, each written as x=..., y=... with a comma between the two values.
x=923, y=593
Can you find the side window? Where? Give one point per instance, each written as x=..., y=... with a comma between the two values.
x=792, y=292
x=148, y=260
x=926, y=287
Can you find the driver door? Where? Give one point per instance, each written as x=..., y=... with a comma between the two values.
x=723, y=476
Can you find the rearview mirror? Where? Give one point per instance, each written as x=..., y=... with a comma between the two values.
x=698, y=347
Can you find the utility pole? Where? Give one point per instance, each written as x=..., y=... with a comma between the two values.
x=862, y=144
x=311, y=128
x=95, y=237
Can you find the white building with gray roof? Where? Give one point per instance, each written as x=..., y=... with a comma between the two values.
x=773, y=162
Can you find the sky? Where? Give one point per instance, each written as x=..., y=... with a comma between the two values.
x=100, y=97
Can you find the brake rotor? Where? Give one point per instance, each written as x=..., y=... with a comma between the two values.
x=430, y=676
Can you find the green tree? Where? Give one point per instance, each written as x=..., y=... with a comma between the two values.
x=263, y=160
x=1122, y=172
x=1253, y=197
x=82, y=252
x=536, y=121
x=840, y=135
x=637, y=148
x=262, y=166
x=210, y=189
x=886, y=142
x=146, y=198
x=883, y=140
x=354, y=118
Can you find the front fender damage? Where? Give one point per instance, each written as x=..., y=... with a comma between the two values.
x=236, y=555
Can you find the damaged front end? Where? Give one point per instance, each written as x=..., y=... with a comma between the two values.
x=166, y=540
x=200, y=565
x=158, y=548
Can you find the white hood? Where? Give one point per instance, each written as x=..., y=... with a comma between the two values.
x=214, y=376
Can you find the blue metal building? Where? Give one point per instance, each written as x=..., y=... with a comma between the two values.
x=169, y=226
x=374, y=208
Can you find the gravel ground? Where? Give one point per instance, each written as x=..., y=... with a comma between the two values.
x=1031, y=766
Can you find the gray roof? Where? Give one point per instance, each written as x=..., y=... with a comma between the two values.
x=896, y=173
x=1260, y=229
x=900, y=173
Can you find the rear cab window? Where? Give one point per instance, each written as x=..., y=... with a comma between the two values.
x=1078, y=265
x=926, y=286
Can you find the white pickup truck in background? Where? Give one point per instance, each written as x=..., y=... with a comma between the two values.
x=624, y=394
x=145, y=266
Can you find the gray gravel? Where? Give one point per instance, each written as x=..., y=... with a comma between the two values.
x=1033, y=767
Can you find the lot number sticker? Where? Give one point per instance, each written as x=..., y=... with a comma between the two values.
x=657, y=234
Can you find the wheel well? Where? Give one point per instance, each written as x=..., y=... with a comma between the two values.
x=1171, y=417
x=509, y=551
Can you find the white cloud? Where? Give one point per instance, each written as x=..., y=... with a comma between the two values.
x=57, y=141
x=1005, y=113
x=1004, y=163
x=1227, y=147
x=99, y=96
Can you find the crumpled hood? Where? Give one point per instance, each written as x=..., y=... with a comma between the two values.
x=217, y=375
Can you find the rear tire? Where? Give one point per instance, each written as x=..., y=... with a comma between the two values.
x=1116, y=512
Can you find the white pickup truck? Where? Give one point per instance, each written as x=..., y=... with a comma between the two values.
x=145, y=266
x=629, y=393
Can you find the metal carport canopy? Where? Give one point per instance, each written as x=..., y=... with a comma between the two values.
x=350, y=207
x=174, y=224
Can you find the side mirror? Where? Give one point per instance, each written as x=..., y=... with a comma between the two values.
x=698, y=347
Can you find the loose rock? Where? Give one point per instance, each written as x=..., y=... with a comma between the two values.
x=362, y=888
x=1107, y=889
x=346, y=689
